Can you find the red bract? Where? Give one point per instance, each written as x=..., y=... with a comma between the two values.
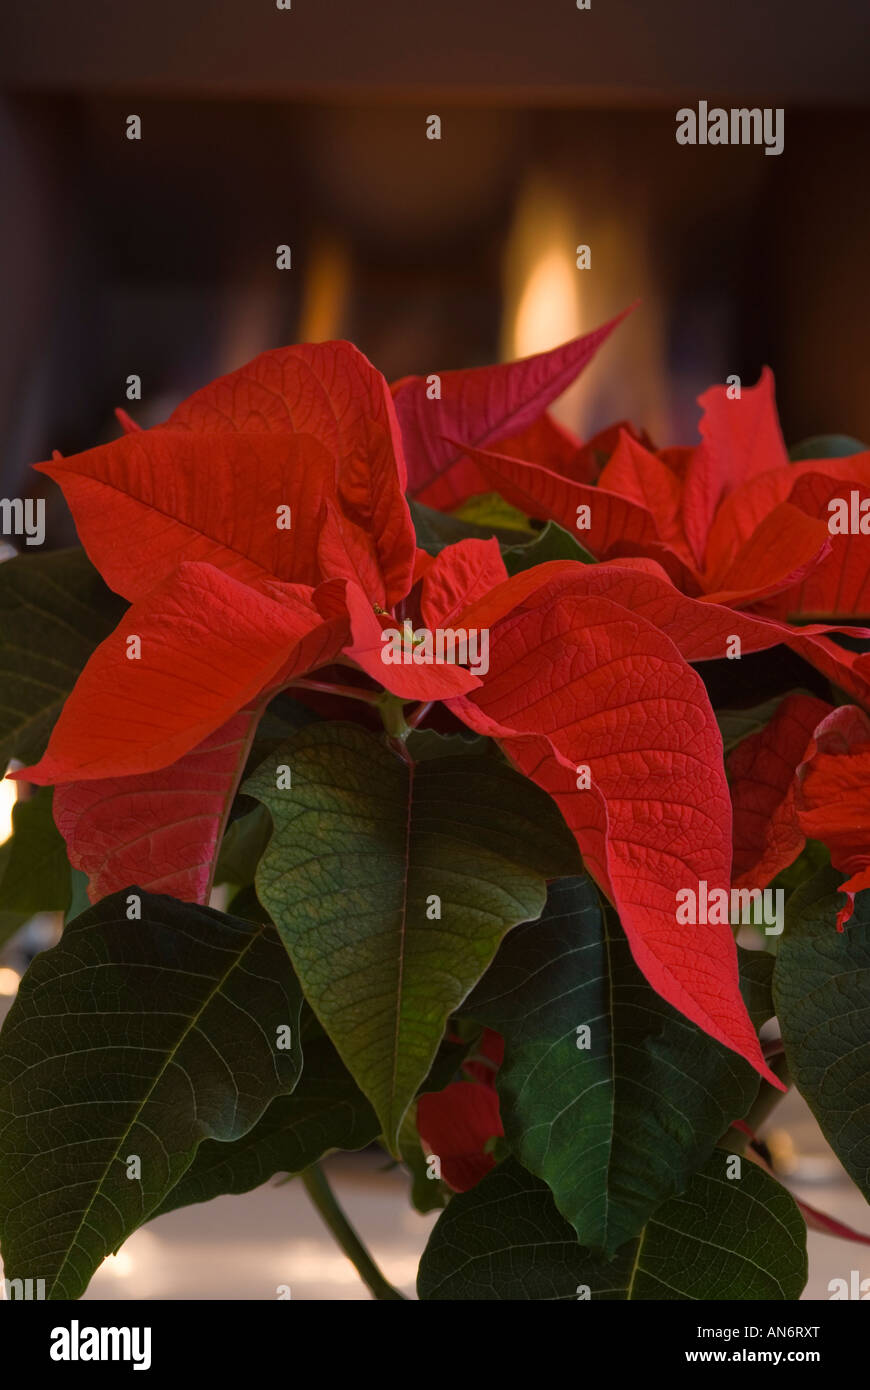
x=485, y=405
x=227, y=605
x=578, y=680
x=159, y=829
x=767, y=832
x=806, y=775
x=458, y=1123
x=589, y=691
x=455, y=1124
x=731, y=522
x=311, y=428
x=833, y=797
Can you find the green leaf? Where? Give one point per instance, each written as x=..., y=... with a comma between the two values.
x=436, y=529
x=363, y=847
x=619, y=1125
x=54, y=610
x=131, y=1038
x=326, y=1111
x=247, y=905
x=250, y=825
x=10, y=922
x=740, y=1239
x=813, y=856
x=491, y=510
x=282, y=717
x=821, y=987
x=242, y=848
x=37, y=875
x=826, y=446
x=424, y=744
x=553, y=543
x=737, y=724
x=79, y=901
x=756, y=984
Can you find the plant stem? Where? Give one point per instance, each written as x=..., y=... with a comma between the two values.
x=392, y=712
x=419, y=714
x=323, y=1197
x=350, y=692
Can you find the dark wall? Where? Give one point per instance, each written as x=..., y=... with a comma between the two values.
x=618, y=51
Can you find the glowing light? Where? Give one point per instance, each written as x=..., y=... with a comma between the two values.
x=554, y=291
x=547, y=311
x=325, y=292
x=120, y=1266
x=9, y=981
x=139, y=1270
x=542, y=283
x=8, y=792
x=308, y=1262
x=782, y=1151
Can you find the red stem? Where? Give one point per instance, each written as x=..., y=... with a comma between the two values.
x=350, y=692
x=419, y=714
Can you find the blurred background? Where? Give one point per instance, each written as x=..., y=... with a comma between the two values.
x=307, y=128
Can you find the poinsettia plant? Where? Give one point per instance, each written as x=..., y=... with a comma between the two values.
x=405, y=770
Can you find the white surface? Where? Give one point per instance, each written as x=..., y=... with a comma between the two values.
x=246, y=1247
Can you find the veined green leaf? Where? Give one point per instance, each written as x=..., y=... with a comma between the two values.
x=740, y=1238
x=606, y=1092
x=129, y=1043
x=821, y=987
x=391, y=886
